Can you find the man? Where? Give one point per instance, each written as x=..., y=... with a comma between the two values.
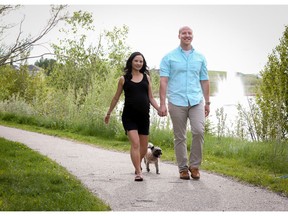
x=184, y=77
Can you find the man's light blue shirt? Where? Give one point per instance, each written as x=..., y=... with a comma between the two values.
x=184, y=75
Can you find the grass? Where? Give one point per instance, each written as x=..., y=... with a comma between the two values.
x=255, y=175
x=32, y=182
x=256, y=163
x=244, y=161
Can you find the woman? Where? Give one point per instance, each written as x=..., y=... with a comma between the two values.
x=137, y=88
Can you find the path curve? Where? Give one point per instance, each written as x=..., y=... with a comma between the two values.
x=109, y=175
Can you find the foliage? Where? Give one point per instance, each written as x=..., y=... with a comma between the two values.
x=73, y=94
x=155, y=81
x=7, y=82
x=249, y=121
x=221, y=120
x=117, y=49
x=16, y=106
x=20, y=82
x=214, y=77
x=272, y=95
x=249, y=82
x=79, y=65
x=73, y=68
x=46, y=64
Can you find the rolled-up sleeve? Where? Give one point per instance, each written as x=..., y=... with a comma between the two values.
x=204, y=71
x=165, y=67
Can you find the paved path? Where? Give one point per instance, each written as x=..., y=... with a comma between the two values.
x=109, y=175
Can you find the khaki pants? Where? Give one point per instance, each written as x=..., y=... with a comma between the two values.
x=179, y=116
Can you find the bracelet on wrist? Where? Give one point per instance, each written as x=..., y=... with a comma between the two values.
x=207, y=103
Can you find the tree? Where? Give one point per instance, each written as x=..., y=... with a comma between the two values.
x=272, y=95
x=19, y=82
x=80, y=64
x=19, y=50
x=46, y=64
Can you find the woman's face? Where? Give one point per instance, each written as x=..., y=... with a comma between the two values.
x=137, y=63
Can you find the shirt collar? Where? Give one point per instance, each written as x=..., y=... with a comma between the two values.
x=180, y=48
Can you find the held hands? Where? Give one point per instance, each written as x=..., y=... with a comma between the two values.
x=162, y=110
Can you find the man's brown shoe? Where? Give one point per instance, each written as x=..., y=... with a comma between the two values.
x=194, y=173
x=184, y=175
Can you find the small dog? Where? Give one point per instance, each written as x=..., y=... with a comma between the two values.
x=152, y=156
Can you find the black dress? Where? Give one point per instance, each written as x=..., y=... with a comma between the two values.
x=136, y=109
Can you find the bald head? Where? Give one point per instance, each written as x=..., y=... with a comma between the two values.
x=184, y=28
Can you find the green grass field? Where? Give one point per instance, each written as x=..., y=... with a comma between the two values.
x=32, y=182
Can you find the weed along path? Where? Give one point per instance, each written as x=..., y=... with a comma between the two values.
x=110, y=176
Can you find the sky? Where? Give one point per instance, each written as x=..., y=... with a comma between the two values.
x=232, y=37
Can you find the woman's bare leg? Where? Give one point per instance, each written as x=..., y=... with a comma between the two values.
x=135, y=150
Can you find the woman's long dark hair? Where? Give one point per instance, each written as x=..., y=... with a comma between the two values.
x=128, y=67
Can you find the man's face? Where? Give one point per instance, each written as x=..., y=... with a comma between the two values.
x=186, y=36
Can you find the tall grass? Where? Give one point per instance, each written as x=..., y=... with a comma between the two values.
x=57, y=109
x=252, y=154
x=87, y=119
